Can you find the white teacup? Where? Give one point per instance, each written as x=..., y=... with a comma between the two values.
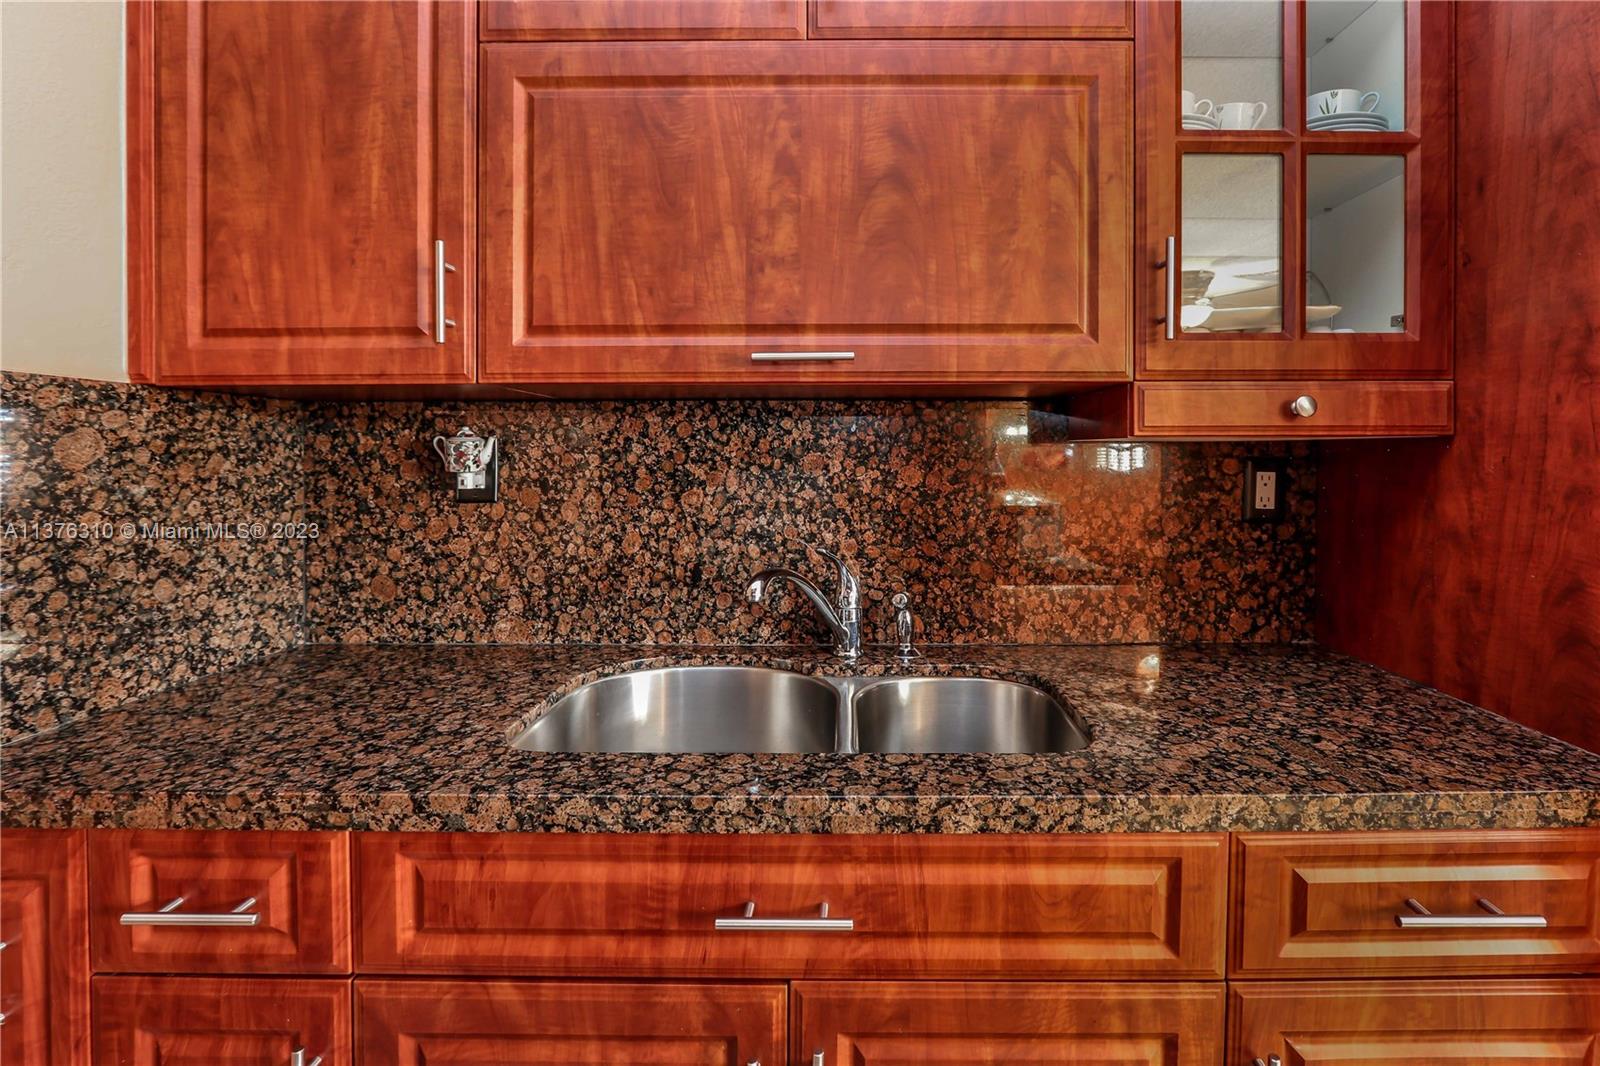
x=1340, y=102
x=1240, y=115
x=1194, y=106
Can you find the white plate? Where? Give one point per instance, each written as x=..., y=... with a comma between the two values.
x=1332, y=123
x=1201, y=120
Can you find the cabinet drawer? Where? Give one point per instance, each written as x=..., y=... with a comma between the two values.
x=971, y=18
x=1328, y=903
x=1373, y=1023
x=920, y=906
x=299, y=884
x=189, y=1021
x=407, y=1023
x=655, y=20
x=1343, y=409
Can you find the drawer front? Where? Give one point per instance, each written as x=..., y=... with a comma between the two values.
x=409, y=1023
x=1328, y=903
x=297, y=885
x=211, y=1021
x=920, y=906
x=971, y=18
x=1372, y=1023
x=651, y=20
x=44, y=948
x=1342, y=409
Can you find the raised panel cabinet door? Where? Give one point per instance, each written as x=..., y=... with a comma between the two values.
x=1347, y=903
x=1371, y=1023
x=44, y=963
x=419, y=1023
x=209, y=1021
x=770, y=215
x=895, y=1023
x=674, y=905
x=292, y=169
x=581, y=20
x=188, y=901
x=971, y=18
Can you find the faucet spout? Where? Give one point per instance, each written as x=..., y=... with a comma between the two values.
x=844, y=624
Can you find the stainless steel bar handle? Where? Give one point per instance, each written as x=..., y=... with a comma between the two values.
x=802, y=357
x=170, y=915
x=1492, y=918
x=1272, y=1060
x=816, y=1058
x=440, y=268
x=297, y=1057
x=749, y=923
x=1170, y=265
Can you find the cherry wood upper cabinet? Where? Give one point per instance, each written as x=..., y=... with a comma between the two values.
x=890, y=1023
x=292, y=167
x=582, y=20
x=44, y=964
x=210, y=1021
x=413, y=1023
x=767, y=216
x=971, y=18
x=1311, y=234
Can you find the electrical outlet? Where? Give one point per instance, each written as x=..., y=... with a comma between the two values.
x=1264, y=483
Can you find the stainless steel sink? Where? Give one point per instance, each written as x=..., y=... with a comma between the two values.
x=929, y=715
x=713, y=709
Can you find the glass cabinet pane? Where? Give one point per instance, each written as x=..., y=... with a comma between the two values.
x=1232, y=244
x=1355, y=243
x=1232, y=64
x=1355, y=65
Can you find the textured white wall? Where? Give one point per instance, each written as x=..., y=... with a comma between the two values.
x=62, y=235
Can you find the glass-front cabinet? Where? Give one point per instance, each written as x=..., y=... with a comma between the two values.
x=1295, y=190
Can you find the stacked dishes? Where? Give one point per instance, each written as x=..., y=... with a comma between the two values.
x=1193, y=120
x=1348, y=121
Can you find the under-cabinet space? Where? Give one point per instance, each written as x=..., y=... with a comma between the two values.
x=44, y=948
x=588, y=20
x=785, y=906
x=408, y=1023
x=887, y=1023
x=207, y=1021
x=181, y=901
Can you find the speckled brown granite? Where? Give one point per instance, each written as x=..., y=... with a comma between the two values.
x=95, y=617
x=1187, y=738
x=639, y=522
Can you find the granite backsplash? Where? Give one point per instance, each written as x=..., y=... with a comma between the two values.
x=618, y=522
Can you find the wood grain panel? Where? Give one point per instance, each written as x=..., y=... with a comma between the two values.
x=416, y=1023
x=656, y=214
x=207, y=1021
x=1325, y=903
x=971, y=18
x=582, y=20
x=300, y=882
x=1427, y=1023
x=898, y=1023
x=923, y=906
x=291, y=165
x=1474, y=566
x=1251, y=410
x=44, y=966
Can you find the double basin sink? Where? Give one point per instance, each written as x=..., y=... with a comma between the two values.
x=733, y=709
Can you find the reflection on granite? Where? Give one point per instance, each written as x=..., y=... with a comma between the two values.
x=97, y=613
x=1187, y=738
x=639, y=522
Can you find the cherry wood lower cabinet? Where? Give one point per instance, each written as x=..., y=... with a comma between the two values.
x=44, y=964
x=1380, y=1023
x=209, y=1021
x=420, y=1023
x=893, y=1023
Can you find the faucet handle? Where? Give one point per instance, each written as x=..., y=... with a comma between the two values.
x=903, y=624
x=849, y=584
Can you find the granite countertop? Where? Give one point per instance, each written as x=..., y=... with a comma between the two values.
x=415, y=738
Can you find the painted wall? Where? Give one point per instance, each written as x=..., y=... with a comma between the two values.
x=62, y=275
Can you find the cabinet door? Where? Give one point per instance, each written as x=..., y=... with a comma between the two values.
x=414, y=1023
x=775, y=215
x=44, y=949
x=292, y=167
x=1310, y=229
x=886, y=1023
x=204, y=1021
x=1368, y=1023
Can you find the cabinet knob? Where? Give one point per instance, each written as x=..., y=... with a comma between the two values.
x=1303, y=406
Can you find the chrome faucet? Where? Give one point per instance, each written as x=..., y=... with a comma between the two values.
x=844, y=620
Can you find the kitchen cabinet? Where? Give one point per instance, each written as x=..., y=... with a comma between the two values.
x=44, y=960
x=971, y=18
x=590, y=20
x=408, y=1023
x=300, y=183
x=203, y=1021
x=815, y=216
x=884, y=1023
x=1373, y=1023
